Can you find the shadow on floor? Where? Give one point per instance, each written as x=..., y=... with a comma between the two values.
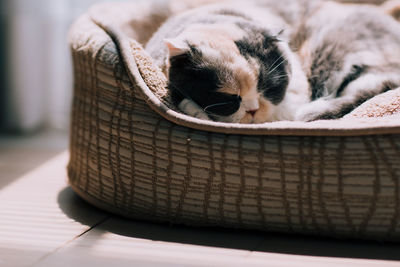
x=76, y=208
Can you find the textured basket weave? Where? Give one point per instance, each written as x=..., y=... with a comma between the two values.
x=133, y=156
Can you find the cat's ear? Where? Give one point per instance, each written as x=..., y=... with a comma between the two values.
x=176, y=47
x=279, y=34
x=282, y=36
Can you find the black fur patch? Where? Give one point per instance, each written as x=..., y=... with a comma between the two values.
x=354, y=74
x=192, y=78
x=273, y=74
x=326, y=59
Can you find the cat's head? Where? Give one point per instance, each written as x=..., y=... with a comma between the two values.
x=234, y=75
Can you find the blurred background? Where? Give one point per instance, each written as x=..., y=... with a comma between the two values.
x=35, y=64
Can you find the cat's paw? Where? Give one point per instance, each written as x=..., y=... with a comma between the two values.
x=313, y=111
x=192, y=109
x=321, y=110
x=201, y=116
x=306, y=115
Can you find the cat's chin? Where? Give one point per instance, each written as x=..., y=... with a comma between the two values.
x=257, y=119
x=247, y=119
x=253, y=122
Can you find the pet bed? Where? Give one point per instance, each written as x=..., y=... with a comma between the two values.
x=134, y=155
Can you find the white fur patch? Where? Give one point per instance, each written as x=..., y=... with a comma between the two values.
x=251, y=104
x=192, y=109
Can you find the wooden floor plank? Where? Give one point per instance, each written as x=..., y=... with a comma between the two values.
x=32, y=222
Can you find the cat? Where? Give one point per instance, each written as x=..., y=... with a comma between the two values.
x=264, y=61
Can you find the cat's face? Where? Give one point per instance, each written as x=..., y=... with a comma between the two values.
x=231, y=75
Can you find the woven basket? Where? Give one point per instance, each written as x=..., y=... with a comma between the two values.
x=134, y=156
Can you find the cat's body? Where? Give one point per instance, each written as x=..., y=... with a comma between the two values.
x=260, y=61
x=350, y=53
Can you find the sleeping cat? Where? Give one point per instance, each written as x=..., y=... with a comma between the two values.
x=262, y=61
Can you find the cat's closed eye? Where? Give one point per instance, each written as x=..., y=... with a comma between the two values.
x=223, y=104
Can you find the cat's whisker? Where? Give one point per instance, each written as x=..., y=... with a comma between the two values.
x=283, y=61
x=280, y=76
x=273, y=64
x=216, y=105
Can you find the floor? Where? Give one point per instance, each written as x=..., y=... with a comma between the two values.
x=43, y=223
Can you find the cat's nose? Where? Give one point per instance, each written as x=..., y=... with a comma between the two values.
x=252, y=112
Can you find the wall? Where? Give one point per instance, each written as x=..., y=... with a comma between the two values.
x=38, y=91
